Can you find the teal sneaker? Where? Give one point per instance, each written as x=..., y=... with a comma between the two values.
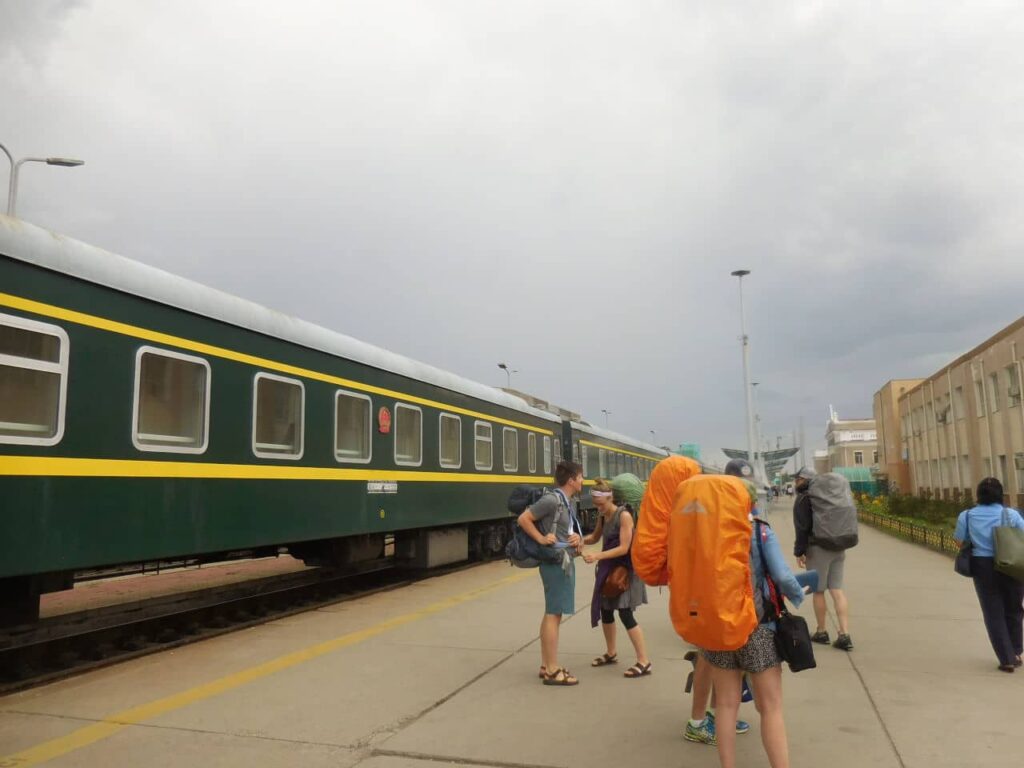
x=742, y=726
x=701, y=734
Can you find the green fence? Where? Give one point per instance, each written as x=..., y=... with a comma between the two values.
x=940, y=541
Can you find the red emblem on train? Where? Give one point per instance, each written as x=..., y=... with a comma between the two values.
x=384, y=420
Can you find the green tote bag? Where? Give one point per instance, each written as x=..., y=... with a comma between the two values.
x=1009, y=549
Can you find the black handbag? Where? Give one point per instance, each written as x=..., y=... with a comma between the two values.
x=962, y=563
x=792, y=635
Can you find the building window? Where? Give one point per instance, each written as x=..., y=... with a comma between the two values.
x=1012, y=387
x=483, y=445
x=858, y=457
x=531, y=451
x=510, y=449
x=352, y=427
x=993, y=393
x=547, y=454
x=171, y=410
x=979, y=398
x=958, y=403
x=875, y=459
x=33, y=381
x=450, y=429
x=408, y=435
x=277, y=417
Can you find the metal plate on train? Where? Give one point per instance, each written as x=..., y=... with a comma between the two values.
x=382, y=486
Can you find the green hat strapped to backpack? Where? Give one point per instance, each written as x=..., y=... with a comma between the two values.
x=627, y=488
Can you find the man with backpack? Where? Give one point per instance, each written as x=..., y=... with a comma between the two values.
x=825, y=520
x=551, y=521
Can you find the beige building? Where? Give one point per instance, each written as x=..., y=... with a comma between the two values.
x=892, y=464
x=966, y=422
x=821, y=462
x=851, y=443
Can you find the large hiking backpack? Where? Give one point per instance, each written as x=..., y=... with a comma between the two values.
x=711, y=598
x=833, y=513
x=521, y=550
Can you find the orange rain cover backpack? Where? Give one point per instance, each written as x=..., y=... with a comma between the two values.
x=711, y=599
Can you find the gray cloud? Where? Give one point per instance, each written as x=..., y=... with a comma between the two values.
x=563, y=186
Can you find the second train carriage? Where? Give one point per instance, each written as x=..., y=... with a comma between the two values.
x=146, y=417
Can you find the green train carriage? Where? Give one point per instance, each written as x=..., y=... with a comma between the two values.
x=144, y=417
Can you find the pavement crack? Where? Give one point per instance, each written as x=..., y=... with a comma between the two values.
x=456, y=760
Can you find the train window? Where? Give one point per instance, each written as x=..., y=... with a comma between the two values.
x=483, y=445
x=352, y=427
x=576, y=452
x=547, y=454
x=531, y=451
x=558, y=450
x=587, y=469
x=277, y=417
x=510, y=449
x=408, y=435
x=602, y=461
x=451, y=441
x=33, y=381
x=171, y=410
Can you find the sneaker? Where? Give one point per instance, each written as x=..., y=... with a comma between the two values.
x=701, y=734
x=843, y=643
x=742, y=726
x=820, y=637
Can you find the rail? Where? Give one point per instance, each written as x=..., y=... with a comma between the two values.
x=940, y=541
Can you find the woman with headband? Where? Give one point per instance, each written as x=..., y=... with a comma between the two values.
x=615, y=530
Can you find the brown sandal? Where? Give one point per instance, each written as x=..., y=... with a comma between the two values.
x=605, y=659
x=638, y=670
x=560, y=676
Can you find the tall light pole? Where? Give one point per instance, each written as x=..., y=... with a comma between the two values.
x=653, y=442
x=751, y=444
x=12, y=189
x=508, y=373
x=606, y=415
x=760, y=465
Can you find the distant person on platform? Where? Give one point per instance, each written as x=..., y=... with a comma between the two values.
x=1001, y=597
x=829, y=564
x=552, y=521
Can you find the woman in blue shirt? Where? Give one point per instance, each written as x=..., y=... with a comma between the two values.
x=1001, y=597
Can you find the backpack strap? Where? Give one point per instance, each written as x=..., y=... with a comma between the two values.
x=773, y=592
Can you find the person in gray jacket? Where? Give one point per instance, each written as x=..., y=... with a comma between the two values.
x=828, y=563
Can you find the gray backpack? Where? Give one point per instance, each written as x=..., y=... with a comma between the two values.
x=834, y=514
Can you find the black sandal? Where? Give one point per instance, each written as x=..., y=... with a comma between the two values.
x=560, y=676
x=604, y=660
x=638, y=670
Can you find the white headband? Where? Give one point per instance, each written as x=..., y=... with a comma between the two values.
x=600, y=494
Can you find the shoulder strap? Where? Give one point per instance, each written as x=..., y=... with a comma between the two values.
x=1006, y=516
x=967, y=527
x=773, y=593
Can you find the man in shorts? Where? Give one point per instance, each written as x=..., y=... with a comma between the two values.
x=827, y=562
x=552, y=522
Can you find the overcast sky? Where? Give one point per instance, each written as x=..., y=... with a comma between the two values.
x=562, y=185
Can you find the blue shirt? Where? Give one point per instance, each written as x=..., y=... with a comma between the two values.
x=984, y=518
x=777, y=567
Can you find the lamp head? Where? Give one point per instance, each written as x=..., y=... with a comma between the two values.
x=67, y=162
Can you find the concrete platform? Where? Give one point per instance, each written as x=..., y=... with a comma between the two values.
x=443, y=673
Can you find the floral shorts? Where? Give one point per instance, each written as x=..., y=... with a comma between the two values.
x=756, y=656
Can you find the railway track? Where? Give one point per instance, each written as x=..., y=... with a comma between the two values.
x=67, y=645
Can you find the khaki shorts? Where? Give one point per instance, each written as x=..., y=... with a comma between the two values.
x=829, y=565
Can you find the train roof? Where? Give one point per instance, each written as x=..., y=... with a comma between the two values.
x=614, y=436
x=50, y=250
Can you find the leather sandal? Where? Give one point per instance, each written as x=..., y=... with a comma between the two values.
x=605, y=659
x=638, y=670
x=560, y=676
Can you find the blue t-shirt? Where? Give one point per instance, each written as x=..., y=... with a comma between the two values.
x=984, y=518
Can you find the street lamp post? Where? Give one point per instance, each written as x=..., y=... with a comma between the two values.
x=508, y=373
x=606, y=415
x=751, y=444
x=12, y=189
x=653, y=442
x=760, y=463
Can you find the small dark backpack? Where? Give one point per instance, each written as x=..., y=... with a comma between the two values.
x=521, y=550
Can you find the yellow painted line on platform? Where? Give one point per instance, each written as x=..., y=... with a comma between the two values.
x=113, y=326
x=55, y=466
x=116, y=722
